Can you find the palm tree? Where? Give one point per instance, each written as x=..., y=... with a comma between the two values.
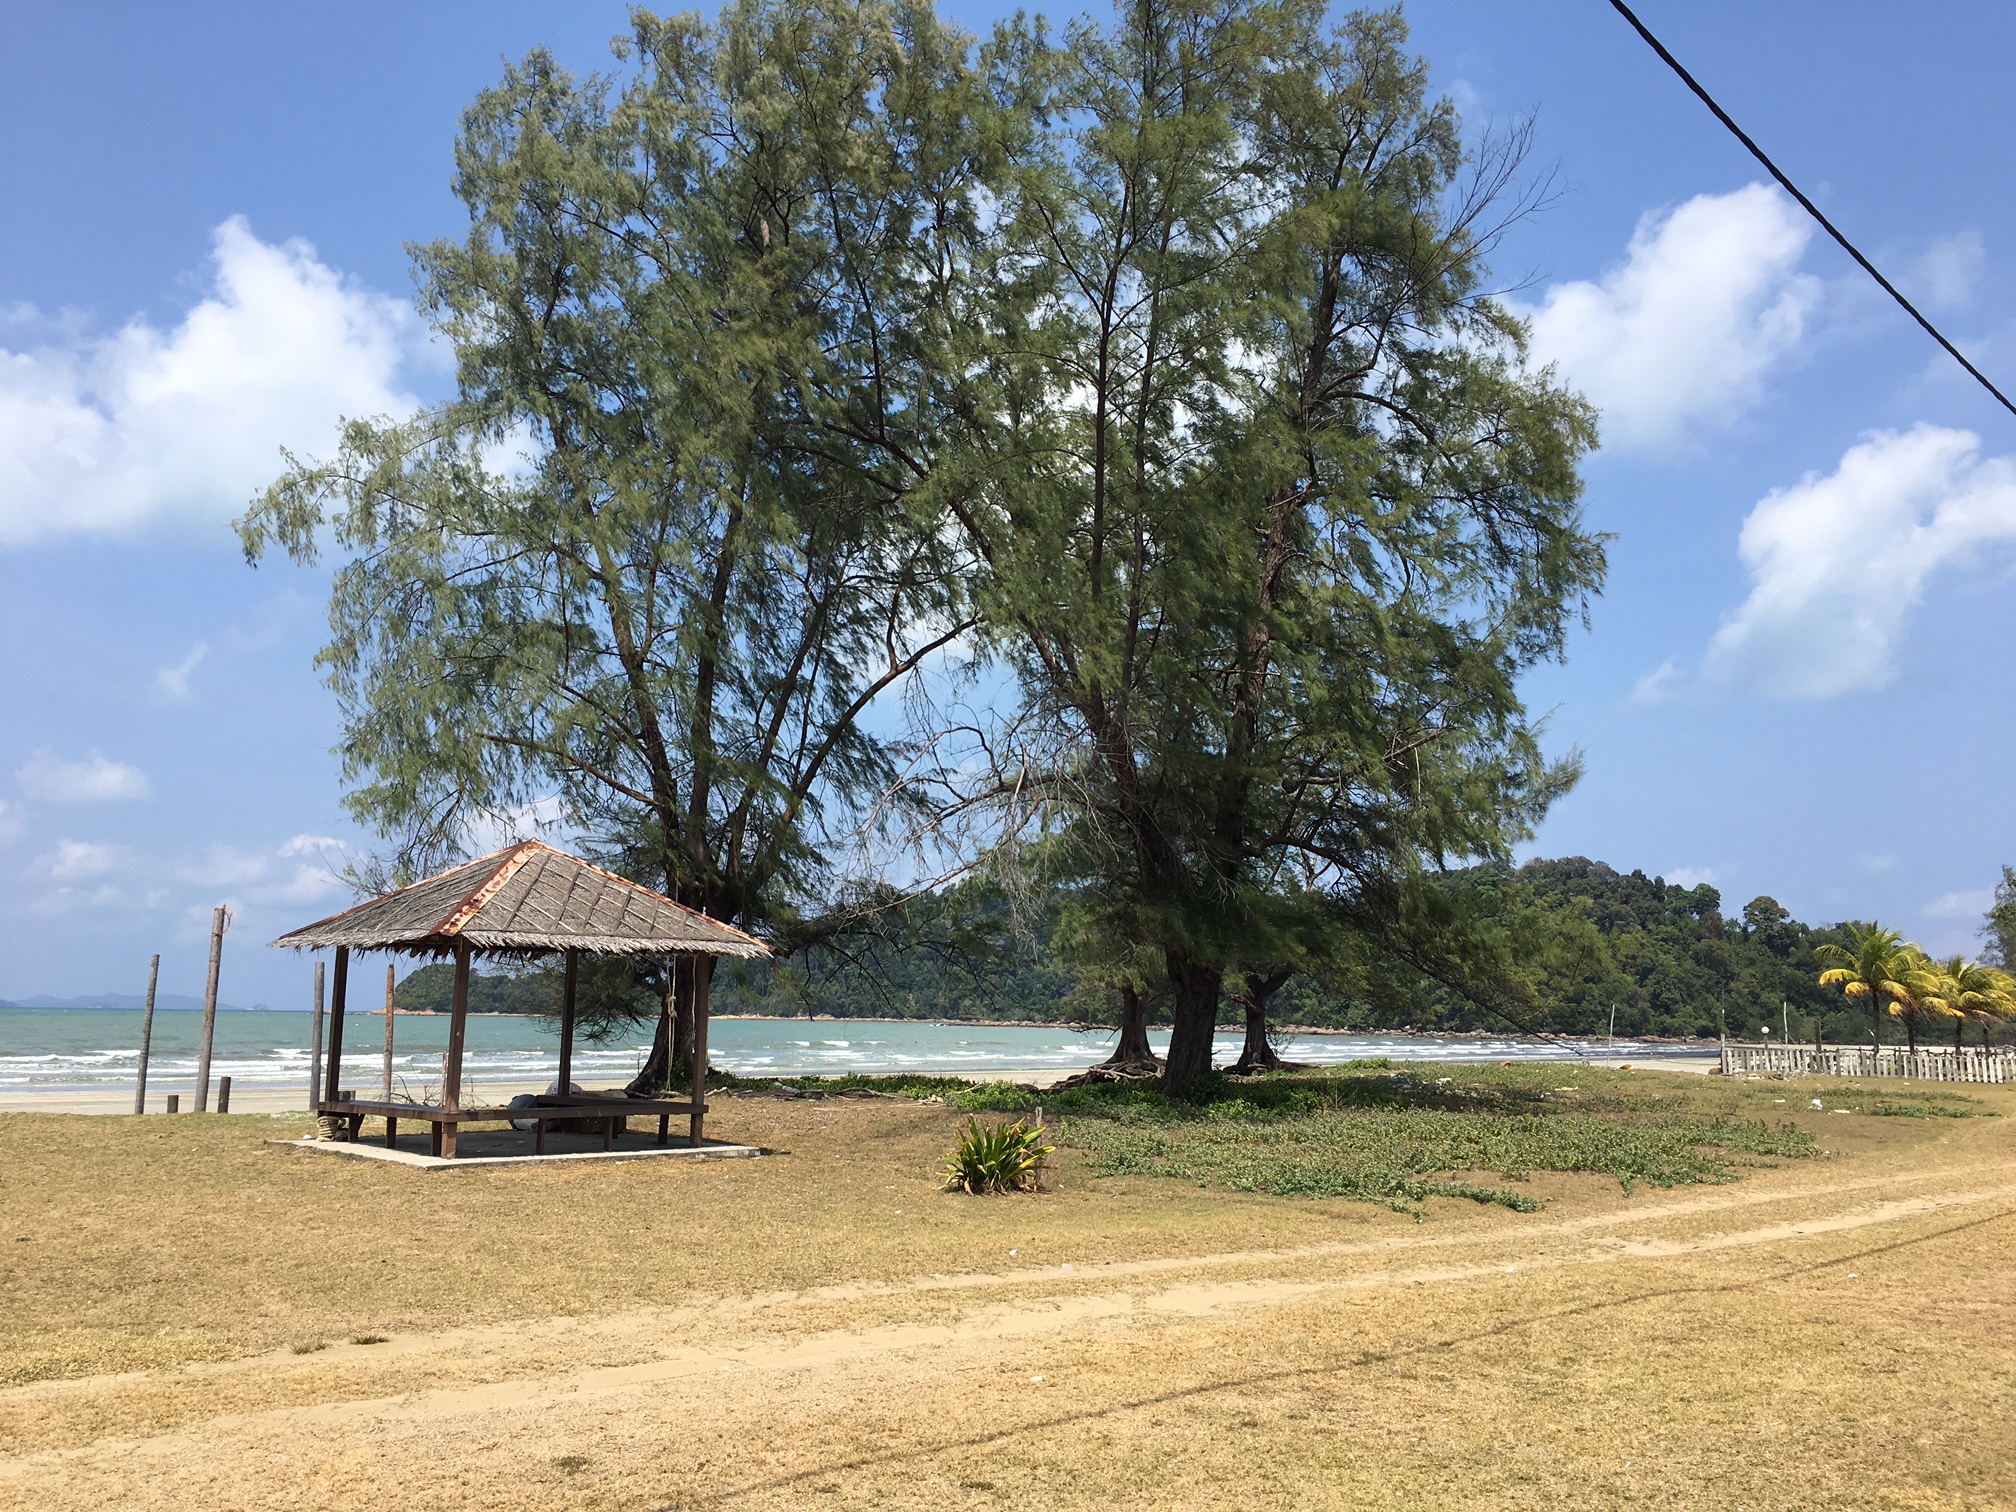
x=1919, y=977
x=1872, y=965
x=1960, y=989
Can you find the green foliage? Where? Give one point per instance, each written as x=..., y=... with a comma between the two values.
x=612, y=994
x=1585, y=938
x=1000, y=1157
x=1905, y=1106
x=901, y=1084
x=1999, y=924
x=703, y=302
x=1397, y=1138
x=1270, y=512
x=431, y=989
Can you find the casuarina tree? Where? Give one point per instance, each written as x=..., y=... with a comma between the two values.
x=672, y=539
x=1274, y=511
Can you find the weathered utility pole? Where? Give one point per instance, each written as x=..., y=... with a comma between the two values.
x=146, y=1036
x=315, y=1047
x=388, y=1031
x=219, y=922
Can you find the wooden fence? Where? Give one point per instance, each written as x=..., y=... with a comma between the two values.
x=1926, y=1064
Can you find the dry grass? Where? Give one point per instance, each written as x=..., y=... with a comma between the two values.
x=825, y=1328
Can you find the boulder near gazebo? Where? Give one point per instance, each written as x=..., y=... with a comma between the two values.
x=524, y=903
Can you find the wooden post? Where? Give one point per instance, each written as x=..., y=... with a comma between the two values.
x=146, y=1036
x=315, y=1045
x=701, y=977
x=209, y=1009
x=567, y=982
x=388, y=1031
x=458, y=1023
x=332, y=1071
x=174, y=1102
x=223, y=1094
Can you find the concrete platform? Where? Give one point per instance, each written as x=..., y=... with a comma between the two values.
x=510, y=1147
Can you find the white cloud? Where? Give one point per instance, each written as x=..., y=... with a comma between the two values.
x=1707, y=301
x=1657, y=685
x=226, y=866
x=1946, y=276
x=1691, y=876
x=1877, y=865
x=308, y=883
x=1960, y=905
x=1837, y=563
x=10, y=820
x=95, y=780
x=499, y=828
x=75, y=860
x=173, y=682
x=108, y=433
x=311, y=845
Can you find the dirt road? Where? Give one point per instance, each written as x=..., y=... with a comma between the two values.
x=1826, y=1336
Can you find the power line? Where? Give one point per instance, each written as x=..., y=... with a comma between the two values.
x=1811, y=209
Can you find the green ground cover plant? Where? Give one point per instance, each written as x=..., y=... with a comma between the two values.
x=1929, y=1105
x=1398, y=1138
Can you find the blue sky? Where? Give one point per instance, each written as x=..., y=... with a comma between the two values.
x=1799, y=681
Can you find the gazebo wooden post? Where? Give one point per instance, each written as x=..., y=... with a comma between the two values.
x=567, y=981
x=332, y=1069
x=458, y=1023
x=702, y=974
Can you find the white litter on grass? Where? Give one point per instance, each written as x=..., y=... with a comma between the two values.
x=1817, y=1106
x=1035, y=1378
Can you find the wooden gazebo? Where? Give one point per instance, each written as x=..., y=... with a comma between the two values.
x=526, y=902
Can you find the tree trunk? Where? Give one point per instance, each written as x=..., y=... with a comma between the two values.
x=1876, y=1020
x=1193, y=1021
x=1132, y=1055
x=1958, y=1025
x=1911, y=1033
x=671, y=1044
x=1257, y=1055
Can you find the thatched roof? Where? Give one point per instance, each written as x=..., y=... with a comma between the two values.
x=530, y=900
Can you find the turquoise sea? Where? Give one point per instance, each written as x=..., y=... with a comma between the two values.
x=69, y=1050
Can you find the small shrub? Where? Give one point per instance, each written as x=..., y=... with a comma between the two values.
x=570, y=1464
x=1003, y=1157
x=369, y=1339
x=309, y=1346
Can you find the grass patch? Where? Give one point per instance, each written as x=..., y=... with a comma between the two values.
x=924, y=1088
x=308, y=1346
x=1928, y=1105
x=1398, y=1138
x=368, y=1338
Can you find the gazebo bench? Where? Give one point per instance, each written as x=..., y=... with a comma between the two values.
x=610, y=1112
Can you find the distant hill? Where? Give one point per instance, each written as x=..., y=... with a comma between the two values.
x=133, y=1002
